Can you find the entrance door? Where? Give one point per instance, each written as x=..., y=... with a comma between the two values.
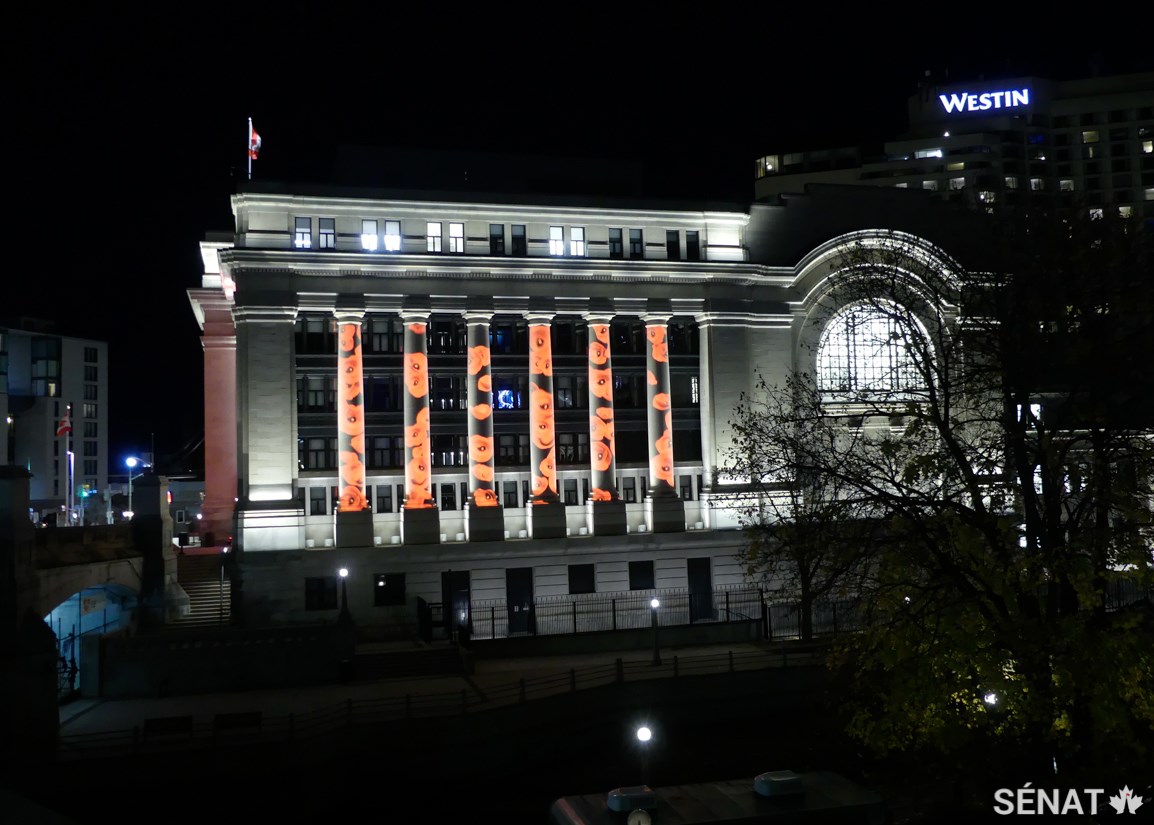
x=455, y=601
x=700, y=589
x=519, y=598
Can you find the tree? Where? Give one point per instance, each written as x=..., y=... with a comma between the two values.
x=990, y=433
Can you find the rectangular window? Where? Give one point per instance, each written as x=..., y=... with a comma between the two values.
x=1090, y=136
x=91, y=448
x=577, y=241
x=303, y=234
x=91, y=354
x=457, y=238
x=616, y=246
x=384, y=498
x=90, y=411
x=692, y=245
x=641, y=575
x=327, y=233
x=90, y=372
x=321, y=593
x=636, y=244
x=90, y=467
x=433, y=236
x=392, y=236
x=510, y=499
x=570, y=492
x=672, y=244
x=930, y=185
x=448, y=497
x=520, y=247
x=582, y=579
x=686, y=488
x=1037, y=184
x=316, y=501
x=389, y=589
x=90, y=392
x=629, y=489
x=90, y=429
x=369, y=236
x=957, y=183
x=496, y=239
x=1011, y=182
x=556, y=240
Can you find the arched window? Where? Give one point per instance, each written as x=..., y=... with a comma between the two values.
x=865, y=350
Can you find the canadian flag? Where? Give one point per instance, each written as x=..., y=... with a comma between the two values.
x=253, y=143
x=65, y=425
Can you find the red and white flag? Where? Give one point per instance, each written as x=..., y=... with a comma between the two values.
x=253, y=143
x=65, y=425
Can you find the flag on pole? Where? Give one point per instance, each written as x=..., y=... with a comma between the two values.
x=65, y=425
x=253, y=142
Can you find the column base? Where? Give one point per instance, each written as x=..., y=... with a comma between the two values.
x=666, y=514
x=354, y=528
x=485, y=523
x=421, y=526
x=607, y=518
x=547, y=521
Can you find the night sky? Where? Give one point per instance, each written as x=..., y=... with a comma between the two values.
x=130, y=131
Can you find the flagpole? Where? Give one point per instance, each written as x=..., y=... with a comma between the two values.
x=248, y=148
x=68, y=455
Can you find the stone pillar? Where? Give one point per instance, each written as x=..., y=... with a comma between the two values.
x=420, y=519
x=353, y=518
x=29, y=707
x=606, y=509
x=220, y=457
x=152, y=536
x=485, y=519
x=664, y=507
x=546, y=511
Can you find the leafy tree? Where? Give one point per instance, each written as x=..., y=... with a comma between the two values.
x=989, y=433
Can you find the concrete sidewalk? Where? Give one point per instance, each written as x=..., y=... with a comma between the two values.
x=491, y=678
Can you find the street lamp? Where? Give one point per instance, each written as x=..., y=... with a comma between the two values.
x=344, y=574
x=131, y=462
x=644, y=736
x=653, y=605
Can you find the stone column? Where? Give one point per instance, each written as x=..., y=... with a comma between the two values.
x=664, y=507
x=353, y=520
x=546, y=511
x=485, y=519
x=606, y=509
x=220, y=464
x=420, y=519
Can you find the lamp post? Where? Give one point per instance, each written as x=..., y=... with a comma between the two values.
x=644, y=736
x=344, y=574
x=653, y=605
x=131, y=462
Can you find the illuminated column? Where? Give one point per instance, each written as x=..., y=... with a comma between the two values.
x=420, y=521
x=353, y=519
x=546, y=513
x=606, y=509
x=485, y=521
x=664, y=507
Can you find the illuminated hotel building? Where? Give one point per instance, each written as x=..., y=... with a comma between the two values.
x=478, y=398
x=1002, y=144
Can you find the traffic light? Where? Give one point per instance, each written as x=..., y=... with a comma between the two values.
x=85, y=490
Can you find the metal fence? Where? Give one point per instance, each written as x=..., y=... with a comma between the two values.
x=628, y=610
x=828, y=618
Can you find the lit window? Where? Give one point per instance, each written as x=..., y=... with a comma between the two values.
x=616, y=246
x=1125, y=211
x=1147, y=147
x=1150, y=194
x=988, y=197
x=577, y=241
x=636, y=244
x=957, y=183
x=1096, y=213
x=327, y=237
x=1066, y=185
x=955, y=167
x=694, y=390
x=1090, y=136
x=433, y=236
x=863, y=349
x=1011, y=182
x=303, y=236
x=392, y=236
x=902, y=185
x=457, y=237
x=369, y=236
x=928, y=153
x=931, y=185
x=556, y=240
x=1037, y=184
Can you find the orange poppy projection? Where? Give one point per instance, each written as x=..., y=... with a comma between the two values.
x=480, y=448
x=597, y=494
x=481, y=411
x=352, y=499
x=478, y=358
x=661, y=401
x=602, y=456
x=485, y=498
x=541, y=417
x=601, y=333
x=600, y=430
x=482, y=472
x=660, y=348
x=540, y=352
x=418, y=434
x=485, y=383
x=417, y=374
x=598, y=353
x=601, y=383
x=351, y=420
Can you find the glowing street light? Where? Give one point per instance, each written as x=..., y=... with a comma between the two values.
x=653, y=605
x=344, y=574
x=132, y=462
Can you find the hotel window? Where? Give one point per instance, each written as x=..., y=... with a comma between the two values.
x=1037, y=184
x=392, y=236
x=957, y=183
x=1096, y=213
x=91, y=447
x=641, y=575
x=692, y=245
x=91, y=428
x=90, y=411
x=577, y=241
x=988, y=196
x=672, y=245
x=1148, y=147
x=321, y=593
x=327, y=233
x=955, y=167
x=316, y=501
x=636, y=244
x=1066, y=185
x=519, y=245
x=581, y=579
x=303, y=236
x=90, y=392
x=496, y=239
x=369, y=236
x=457, y=238
x=1011, y=182
x=90, y=468
x=556, y=240
x=928, y=153
x=1125, y=211
x=433, y=236
x=616, y=245
x=931, y=185
x=388, y=589
x=91, y=355
x=1090, y=136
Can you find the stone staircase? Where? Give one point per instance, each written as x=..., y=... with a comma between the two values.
x=209, y=602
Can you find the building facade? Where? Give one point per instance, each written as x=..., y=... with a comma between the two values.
x=495, y=400
x=1002, y=144
x=44, y=378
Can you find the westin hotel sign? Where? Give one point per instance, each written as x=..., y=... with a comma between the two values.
x=964, y=102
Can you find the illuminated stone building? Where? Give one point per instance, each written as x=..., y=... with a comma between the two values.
x=472, y=398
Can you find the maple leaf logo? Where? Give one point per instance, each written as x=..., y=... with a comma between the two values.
x=1125, y=800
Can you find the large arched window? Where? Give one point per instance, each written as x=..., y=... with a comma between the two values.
x=866, y=350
